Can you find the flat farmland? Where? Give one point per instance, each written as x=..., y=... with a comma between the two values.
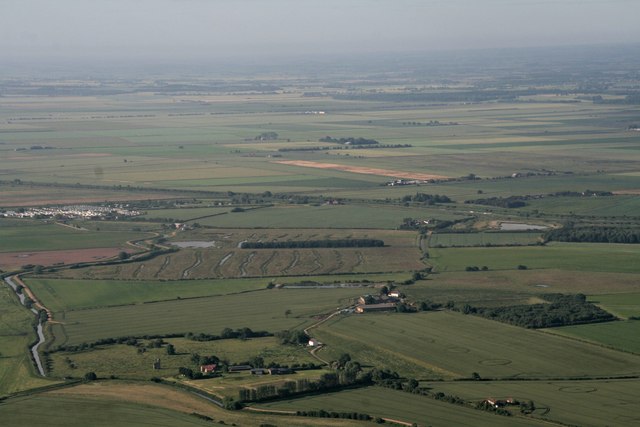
x=484, y=239
x=564, y=256
x=73, y=294
x=613, y=206
x=623, y=335
x=510, y=287
x=127, y=362
x=328, y=216
x=27, y=236
x=583, y=403
x=119, y=404
x=397, y=405
x=126, y=403
x=623, y=305
x=259, y=310
x=14, y=260
x=453, y=345
x=16, y=196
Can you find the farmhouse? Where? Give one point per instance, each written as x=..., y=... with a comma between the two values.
x=259, y=371
x=208, y=369
x=385, y=306
x=239, y=368
x=314, y=342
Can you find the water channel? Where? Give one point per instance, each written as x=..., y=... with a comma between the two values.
x=41, y=339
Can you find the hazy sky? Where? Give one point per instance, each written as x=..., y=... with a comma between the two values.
x=32, y=29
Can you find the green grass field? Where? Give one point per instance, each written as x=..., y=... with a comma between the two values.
x=400, y=406
x=327, y=216
x=565, y=256
x=583, y=403
x=446, y=344
x=72, y=294
x=623, y=335
x=623, y=305
x=79, y=411
x=483, y=239
x=259, y=310
x=125, y=403
x=27, y=235
x=509, y=287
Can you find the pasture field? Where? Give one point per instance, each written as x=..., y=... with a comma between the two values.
x=397, y=405
x=125, y=403
x=484, y=239
x=128, y=362
x=623, y=335
x=622, y=305
x=55, y=410
x=17, y=235
x=231, y=238
x=259, y=310
x=133, y=404
x=348, y=216
x=564, y=256
x=204, y=150
x=510, y=287
x=613, y=206
x=452, y=345
x=73, y=294
x=17, y=372
x=26, y=195
x=583, y=403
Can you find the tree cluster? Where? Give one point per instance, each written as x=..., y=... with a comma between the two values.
x=562, y=310
x=294, y=337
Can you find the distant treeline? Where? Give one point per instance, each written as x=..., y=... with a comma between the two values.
x=349, y=140
x=631, y=99
x=562, y=310
x=593, y=234
x=342, y=243
x=501, y=202
x=350, y=147
x=520, y=201
x=427, y=199
x=448, y=96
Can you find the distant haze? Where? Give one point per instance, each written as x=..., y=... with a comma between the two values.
x=47, y=30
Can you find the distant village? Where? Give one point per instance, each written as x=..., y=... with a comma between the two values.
x=73, y=212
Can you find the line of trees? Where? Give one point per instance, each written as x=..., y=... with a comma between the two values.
x=501, y=202
x=593, y=234
x=427, y=199
x=349, y=147
x=349, y=140
x=289, y=244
